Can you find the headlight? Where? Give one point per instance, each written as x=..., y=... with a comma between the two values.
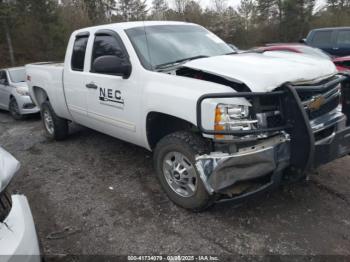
x=22, y=92
x=232, y=118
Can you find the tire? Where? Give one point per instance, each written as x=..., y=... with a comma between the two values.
x=188, y=145
x=14, y=110
x=56, y=128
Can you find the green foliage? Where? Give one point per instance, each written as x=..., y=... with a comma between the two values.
x=38, y=30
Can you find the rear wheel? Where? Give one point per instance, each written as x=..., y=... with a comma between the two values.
x=174, y=161
x=55, y=126
x=14, y=110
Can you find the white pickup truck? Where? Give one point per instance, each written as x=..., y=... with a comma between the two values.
x=222, y=126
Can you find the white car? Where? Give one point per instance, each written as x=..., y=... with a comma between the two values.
x=222, y=126
x=18, y=238
x=14, y=95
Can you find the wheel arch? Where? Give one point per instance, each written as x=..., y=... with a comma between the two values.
x=159, y=125
x=39, y=95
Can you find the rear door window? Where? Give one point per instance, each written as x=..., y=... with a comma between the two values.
x=343, y=39
x=322, y=38
x=79, y=50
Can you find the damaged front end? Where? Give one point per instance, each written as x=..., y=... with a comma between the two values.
x=309, y=129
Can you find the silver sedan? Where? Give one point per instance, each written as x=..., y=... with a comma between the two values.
x=14, y=96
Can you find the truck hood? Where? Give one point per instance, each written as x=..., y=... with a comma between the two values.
x=265, y=72
x=8, y=168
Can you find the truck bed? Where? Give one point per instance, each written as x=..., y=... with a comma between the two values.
x=48, y=76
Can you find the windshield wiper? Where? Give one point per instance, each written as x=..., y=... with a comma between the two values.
x=170, y=64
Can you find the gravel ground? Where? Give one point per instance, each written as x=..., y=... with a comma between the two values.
x=103, y=194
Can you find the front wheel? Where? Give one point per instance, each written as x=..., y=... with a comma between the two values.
x=174, y=161
x=14, y=110
x=55, y=127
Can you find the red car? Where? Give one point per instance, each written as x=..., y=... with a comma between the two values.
x=342, y=63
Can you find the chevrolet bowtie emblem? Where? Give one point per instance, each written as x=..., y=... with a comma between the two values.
x=316, y=103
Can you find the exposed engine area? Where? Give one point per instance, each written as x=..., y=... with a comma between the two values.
x=192, y=73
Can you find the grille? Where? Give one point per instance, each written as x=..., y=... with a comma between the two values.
x=5, y=205
x=330, y=97
x=324, y=109
x=28, y=106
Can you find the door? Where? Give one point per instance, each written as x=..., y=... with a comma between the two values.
x=342, y=43
x=5, y=90
x=113, y=101
x=74, y=79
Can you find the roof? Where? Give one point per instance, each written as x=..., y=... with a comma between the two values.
x=128, y=25
x=331, y=28
x=13, y=68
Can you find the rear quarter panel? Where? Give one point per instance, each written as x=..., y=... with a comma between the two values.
x=50, y=79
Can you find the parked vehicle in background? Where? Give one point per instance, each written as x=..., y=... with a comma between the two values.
x=294, y=48
x=342, y=63
x=14, y=96
x=334, y=40
x=222, y=126
x=18, y=238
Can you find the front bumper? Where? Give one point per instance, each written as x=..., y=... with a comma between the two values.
x=220, y=171
x=26, y=105
x=302, y=145
x=18, y=238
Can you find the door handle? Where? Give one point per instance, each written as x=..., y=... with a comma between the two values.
x=91, y=86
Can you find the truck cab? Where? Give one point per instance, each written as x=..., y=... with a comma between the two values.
x=221, y=125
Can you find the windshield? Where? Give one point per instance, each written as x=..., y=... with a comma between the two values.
x=168, y=44
x=17, y=75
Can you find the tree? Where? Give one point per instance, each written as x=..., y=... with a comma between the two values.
x=132, y=9
x=99, y=11
x=159, y=9
x=180, y=6
x=6, y=14
x=220, y=5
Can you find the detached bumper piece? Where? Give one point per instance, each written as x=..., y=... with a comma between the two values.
x=312, y=131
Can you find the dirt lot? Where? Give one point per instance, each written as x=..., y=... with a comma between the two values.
x=104, y=194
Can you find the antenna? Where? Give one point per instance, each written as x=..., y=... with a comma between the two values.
x=147, y=43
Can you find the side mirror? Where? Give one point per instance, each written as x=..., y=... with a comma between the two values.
x=302, y=41
x=112, y=65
